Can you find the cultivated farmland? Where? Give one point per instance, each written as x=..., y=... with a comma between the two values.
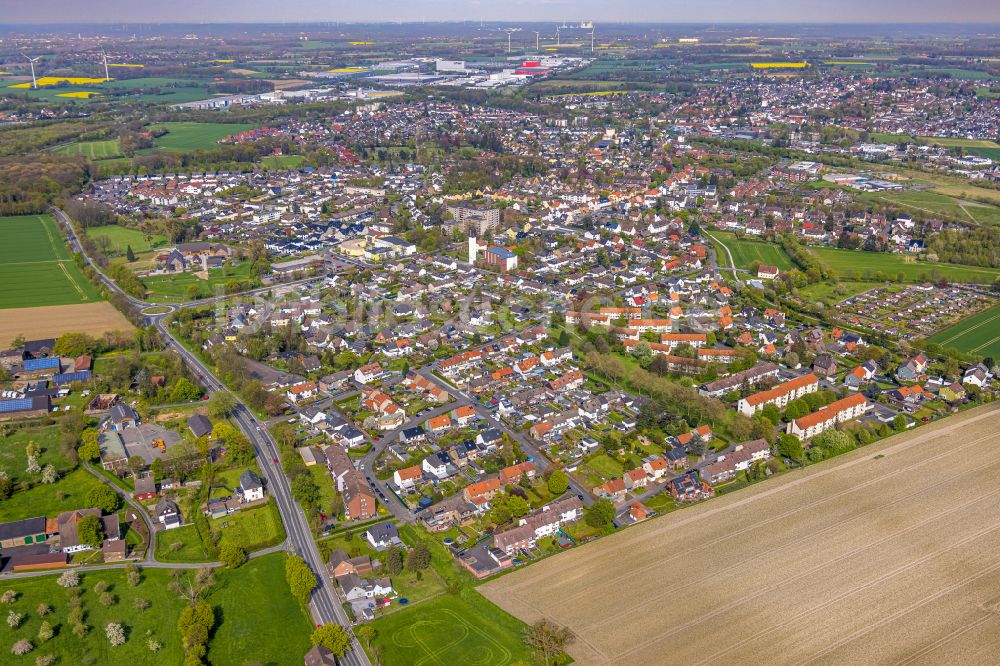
x=978, y=335
x=185, y=136
x=746, y=252
x=888, y=551
x=54, y=320
x=848, y=262
x=35, y=266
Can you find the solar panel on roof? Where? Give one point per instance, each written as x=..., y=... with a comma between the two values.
x=66, y=378
x=7, y=406
x=41, y=363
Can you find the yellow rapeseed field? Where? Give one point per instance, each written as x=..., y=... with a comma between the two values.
x=360, y=43
x=56, y=80
x=79, y=94
x=124, y=64
x=347, y=70
x=779, y=65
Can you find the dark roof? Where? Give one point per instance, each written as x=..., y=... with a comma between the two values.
x=383, y=532
x=22, y=528
x=249, y=479
x=200, y=425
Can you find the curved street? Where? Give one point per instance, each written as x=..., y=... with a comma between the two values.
x=325, y=604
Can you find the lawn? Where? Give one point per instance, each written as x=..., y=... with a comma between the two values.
x=175, y=287
x=14, y=459
x=35, y=265
x=185, y=136
x=978, y=335
x=120, y=238
x=832, y=292
x=940, y=203
x=606, y=466
x=95, y=150
x=240, y=598
x=849, y=263
x=283, y=161
x=747, y=251
x=69, y=492
x=190, y=550
x=451, y=629
x=252, y=528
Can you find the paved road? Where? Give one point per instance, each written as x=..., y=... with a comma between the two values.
x=527, y=446
x=325, y=604
x=729, y=254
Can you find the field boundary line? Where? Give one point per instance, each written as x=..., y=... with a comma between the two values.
x=73, y=283
x=960, y=334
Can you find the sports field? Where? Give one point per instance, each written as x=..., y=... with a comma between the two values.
x=35, y=266
x=95, y=150
x=184, y=136
x=451, y=630
x=746, y=252
x=886, y=554
x=979, y=334
x=848, y=262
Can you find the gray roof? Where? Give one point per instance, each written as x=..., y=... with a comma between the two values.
x=249, y=480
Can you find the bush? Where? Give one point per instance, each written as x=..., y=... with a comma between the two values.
x=115, y=633
x=69, y=579
x=22, y=646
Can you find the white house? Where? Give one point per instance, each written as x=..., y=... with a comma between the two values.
x=251, y=486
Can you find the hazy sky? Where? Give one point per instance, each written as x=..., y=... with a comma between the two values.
x=640, y=11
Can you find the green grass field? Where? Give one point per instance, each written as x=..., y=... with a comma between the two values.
x=14, y=459
x=95, y=150
x=35, y=266
x=119, y=238
x=978, y=335
x=746, y=252
x=175, y=287
x=253, y=528
x=242, y=599
x=451, y=629
x=832, y=292
x=190, y=550
x=69, y=492
x=847, y=263
x=939, y=203
x=185, y=136
x=283, y=161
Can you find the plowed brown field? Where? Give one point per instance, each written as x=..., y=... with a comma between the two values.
x=54, y=320
x=889, y=554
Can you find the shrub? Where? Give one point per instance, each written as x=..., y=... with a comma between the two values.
x=8, y=597
x=22, y=646
x=14, y=619
x=43, y=609
x=69, y=579
x=45, y=632
x=115, y=633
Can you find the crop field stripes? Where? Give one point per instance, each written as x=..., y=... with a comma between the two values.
x=831, y=528
x=653, y=534
x=971, y=328
x=878, y=579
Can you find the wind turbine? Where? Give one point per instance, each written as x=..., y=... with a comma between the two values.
x=536, y=40
x=32, y=61
x=591, y=38
x=107, y=76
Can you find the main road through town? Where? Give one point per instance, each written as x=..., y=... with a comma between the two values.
x=325, y=603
